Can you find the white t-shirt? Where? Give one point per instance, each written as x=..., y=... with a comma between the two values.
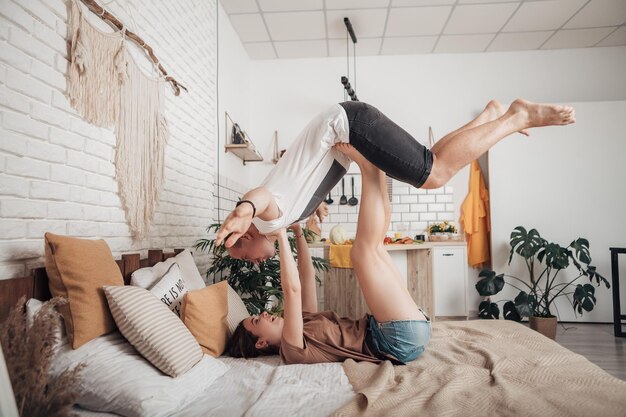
x=308, y=170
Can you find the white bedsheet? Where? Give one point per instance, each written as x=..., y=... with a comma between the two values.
x=263, y=386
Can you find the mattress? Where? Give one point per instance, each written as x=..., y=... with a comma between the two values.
x=264, y=386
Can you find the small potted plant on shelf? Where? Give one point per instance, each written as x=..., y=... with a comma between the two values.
x=451, y=230
x=535, y=301
x=442, y=231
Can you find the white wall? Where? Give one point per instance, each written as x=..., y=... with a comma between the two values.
x=233, y=97
x=440, y=90
x=234, y=92
x=56, y=170
x=567, y=182
x=444, y=91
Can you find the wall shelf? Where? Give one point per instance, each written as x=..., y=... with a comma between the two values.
x=245, y=151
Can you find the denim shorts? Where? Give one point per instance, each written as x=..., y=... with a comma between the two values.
x=386, y=145
x=399, y=341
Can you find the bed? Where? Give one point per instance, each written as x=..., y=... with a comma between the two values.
x=476, y=367
x=262, y=386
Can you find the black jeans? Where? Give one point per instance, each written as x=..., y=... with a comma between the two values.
x=386, y=145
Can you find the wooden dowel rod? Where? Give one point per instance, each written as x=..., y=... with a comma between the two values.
x=106, y=16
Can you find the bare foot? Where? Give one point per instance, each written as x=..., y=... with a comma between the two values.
x=353, y=154
x=540, y=114
x=497, y=109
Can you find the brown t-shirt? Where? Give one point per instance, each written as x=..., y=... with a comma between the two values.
x=329, y=338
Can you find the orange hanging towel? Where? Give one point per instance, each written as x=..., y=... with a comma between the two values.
x=475, y=218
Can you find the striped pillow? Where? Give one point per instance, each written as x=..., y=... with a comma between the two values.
x=155, y=331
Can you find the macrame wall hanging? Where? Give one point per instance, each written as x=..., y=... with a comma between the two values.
x=108, y=88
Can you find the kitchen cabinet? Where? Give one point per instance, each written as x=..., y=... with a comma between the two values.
x=449, y=275
x=436, y=278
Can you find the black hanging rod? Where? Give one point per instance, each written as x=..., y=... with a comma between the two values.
x=344, y=80
x=346, y=21
x=349, y=89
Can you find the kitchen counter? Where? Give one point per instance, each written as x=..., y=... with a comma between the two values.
x=341, y=291
x=413, y=246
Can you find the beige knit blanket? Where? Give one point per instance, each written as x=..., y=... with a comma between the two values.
x=486, y=368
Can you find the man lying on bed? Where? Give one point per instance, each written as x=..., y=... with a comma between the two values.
x=397, y=329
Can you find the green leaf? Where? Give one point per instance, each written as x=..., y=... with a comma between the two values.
x=510, y=312
x=584, y=298
x=591, y=273
x=525, y=243
x=488, y=310
x=557, y=257
x=581, y=248
x=525, y=304
x=491, y=283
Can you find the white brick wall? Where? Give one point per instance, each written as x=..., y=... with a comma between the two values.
x=226, y=193
x=56, y=170
x=230, y=191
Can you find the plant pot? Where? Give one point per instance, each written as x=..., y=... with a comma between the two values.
x=544, y=325
x=438, y=237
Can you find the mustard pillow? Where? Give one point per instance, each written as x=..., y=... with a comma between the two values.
x=204, y=313
x=77, y=269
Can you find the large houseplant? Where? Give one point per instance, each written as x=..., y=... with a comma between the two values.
x=536, y=299
x=256, y=284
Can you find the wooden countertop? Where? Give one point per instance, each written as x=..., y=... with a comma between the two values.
x=414, y=246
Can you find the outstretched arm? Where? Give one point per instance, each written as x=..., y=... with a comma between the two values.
x=239, y=220
x=293, y=327
x=305, y=270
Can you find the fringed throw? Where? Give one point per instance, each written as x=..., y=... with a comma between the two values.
x=92, y=80
x=142, y=134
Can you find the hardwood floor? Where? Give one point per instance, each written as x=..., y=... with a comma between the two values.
x=597, y=343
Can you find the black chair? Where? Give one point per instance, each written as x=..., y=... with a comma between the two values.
x=617, y=314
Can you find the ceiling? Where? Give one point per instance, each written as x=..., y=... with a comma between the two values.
x=271, y=29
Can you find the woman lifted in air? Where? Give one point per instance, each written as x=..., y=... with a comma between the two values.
x=313, y=165
x=397, y=329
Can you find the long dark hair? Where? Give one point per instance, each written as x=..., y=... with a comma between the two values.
x=242, y=344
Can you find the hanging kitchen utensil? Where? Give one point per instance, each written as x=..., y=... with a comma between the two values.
x=276, y=154
x=431, y=137
x=353, y=200
x=329, y=200
x=343, y=200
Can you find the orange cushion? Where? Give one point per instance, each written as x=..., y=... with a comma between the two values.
x=77, y=269
x=204, y=313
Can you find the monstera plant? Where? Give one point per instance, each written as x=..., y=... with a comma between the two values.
x=536, y=297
